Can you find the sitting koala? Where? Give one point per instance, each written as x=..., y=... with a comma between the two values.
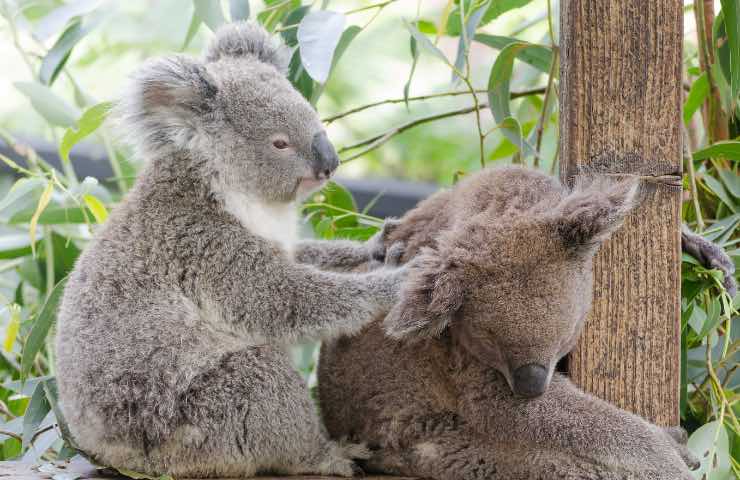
x=172, y=330
x=498, y=289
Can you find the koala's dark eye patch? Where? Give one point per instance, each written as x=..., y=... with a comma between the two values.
x=280, y=144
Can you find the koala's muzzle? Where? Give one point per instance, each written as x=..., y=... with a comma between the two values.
x=530, y=380
x=324, y=160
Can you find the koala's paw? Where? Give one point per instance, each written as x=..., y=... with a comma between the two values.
x=354, y=451
x=710, y=255
x=678, y=439
x=377, y=243
x=394, y=254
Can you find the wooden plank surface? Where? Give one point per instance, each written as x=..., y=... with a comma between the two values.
x=80, y=469
x=620, y=113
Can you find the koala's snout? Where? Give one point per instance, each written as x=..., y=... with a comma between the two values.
x=530, y=380
x=325, y=159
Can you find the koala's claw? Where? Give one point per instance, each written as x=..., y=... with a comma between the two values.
x=710, y=255
x=394, y=254
x=378, y=242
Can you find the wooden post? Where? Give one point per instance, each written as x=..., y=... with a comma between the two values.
x=620, y=109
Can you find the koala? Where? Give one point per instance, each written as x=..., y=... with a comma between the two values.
x=459, y=380
x=173, y=326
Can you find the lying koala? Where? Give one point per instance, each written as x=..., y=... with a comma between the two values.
x=494, y=299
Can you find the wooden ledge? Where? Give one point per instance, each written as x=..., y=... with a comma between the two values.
x=83, y=470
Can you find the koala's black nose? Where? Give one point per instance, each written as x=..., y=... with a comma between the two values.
x=530, y=380
x=325, y=159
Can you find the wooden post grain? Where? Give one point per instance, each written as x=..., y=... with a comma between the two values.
x=620, y=109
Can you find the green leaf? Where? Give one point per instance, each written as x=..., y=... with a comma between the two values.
x=193, y=28
x=91, y=120
x=499, y=94
x=24, y=193
x=54, y=110
x=414, y=61
x=239, y=10
x=463, y=44
x=727, y=148
x=41, y=325
x=426, y=26
x=318, y=36
x=714, y=456
x=731, y=14
x=293, y=19
x=58, y=18
x=57, y=56
x=14, y=246
x=96, y=207
x=716, y=187
x=36, y=411
x=50, y=216
x=346, y=38
x=301, y=80
x=495, y=9
x=210, y=13
x=731, y=181
x=695, y=99
x=538, y=56
x=319, y=209
x=423, y=42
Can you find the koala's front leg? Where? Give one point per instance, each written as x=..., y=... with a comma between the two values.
x=346, y=254
x=569, y=420
x=264, y=294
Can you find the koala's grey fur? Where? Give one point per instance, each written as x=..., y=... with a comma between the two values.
x=172, y=329
x=501, y=277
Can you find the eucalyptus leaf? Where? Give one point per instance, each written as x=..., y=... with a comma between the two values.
x=54, y=110
x=41, y=325
x=347, y=36
x=193, y=28
x=702, y=444
x=729, y=149
x=318, y=36
x=38, y=408
x=463, y=45
x=731, y=14
x=50, y=216
x=423, y=42
x=538, y=56
x=89, y=122
x=492, y=10
x=695, y=99
x=210, y=12
x=58, y=18
x=239, y=10
x=731, y=181
x=14, y=246
x=720, y=191
x=414, y=61
x=57, y=56
x=292, y=19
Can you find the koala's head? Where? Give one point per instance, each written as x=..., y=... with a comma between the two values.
x=513, y=290
x=236, y=113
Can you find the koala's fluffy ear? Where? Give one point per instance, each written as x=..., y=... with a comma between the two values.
x=430, y=298
x=245, y=39
x=594, y=210
x=165, y=103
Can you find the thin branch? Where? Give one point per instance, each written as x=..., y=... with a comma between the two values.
x=545, y=110
x=689, y=162
x=11, y=435
x=378, y=140
x=379, y=5
x=513, y=95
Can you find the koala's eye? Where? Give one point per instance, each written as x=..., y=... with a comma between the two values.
x=280, y=144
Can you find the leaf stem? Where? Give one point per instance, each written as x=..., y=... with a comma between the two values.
x=545, y=110
x=378, y=5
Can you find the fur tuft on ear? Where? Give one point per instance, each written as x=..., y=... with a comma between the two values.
x=242, y=39
x=163, y=104
x=594, y=210
x=430, y=298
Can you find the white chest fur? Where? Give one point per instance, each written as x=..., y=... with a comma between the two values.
x=277, y=222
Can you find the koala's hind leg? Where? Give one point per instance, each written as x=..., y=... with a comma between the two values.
x=465, y=456
x=253, y=414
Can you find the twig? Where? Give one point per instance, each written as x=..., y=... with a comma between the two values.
x=545, y=110
x=11, y=435
x=379, y=5
x=513, y=95
x=689, y=161
x=378, y=140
